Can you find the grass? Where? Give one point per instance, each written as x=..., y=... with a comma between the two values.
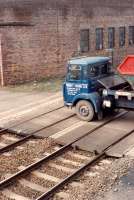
x=45, y=85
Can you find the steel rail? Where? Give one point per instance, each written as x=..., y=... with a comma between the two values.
x=51, y=191
x=45, y=159
x=29, y=136
x=2, y=130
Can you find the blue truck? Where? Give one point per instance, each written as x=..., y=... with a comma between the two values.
x=91, y=86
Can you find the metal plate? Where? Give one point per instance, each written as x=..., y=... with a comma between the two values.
x=111, y=81
x=102, y=138
x=122, y=147
x=99, y=140
x=58, y=127
x=44, y=121
x=71, y=135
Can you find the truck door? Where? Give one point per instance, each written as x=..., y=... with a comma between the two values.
x=73, y=84
x=90, y=77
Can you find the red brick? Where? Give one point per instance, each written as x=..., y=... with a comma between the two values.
x=34, y=52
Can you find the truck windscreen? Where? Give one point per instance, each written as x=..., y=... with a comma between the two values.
x=74, y=72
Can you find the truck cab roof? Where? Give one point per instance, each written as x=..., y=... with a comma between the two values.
x=88, y=60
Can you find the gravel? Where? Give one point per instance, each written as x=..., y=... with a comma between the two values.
x=9, y=135
x=25, y=191
x=95, y=187
x=96, y=180
x=25, y=157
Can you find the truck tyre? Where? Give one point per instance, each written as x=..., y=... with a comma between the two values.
x=85, y=110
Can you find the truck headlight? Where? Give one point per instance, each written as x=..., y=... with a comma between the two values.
x=105, y=92
x=107, y=103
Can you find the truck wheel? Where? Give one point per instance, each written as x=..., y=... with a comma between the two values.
x=85, y=110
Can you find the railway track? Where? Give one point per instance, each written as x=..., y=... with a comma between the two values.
x=24, y=139
x=2, y=130
x=49, y=161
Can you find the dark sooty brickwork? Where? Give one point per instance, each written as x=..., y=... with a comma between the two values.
x=38, y=36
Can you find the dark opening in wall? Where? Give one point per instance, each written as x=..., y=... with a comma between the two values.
x=111, y=37
x=99, y=38
x=84, y=40
x=122, y=35
x=131, y=35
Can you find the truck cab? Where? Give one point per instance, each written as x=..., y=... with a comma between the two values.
x=82, y=89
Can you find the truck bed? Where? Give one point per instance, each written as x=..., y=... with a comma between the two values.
x=117, y=93
x=114, y=82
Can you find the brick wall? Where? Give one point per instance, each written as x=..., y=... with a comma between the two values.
x=51, y=34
